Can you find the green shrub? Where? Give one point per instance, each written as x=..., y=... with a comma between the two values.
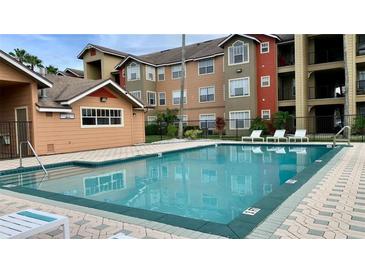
x=171, y=130
x=359, y=125
x=259, y=124
x=152, y=129
x=281, y=120
x=190, y=128
x=193, y=133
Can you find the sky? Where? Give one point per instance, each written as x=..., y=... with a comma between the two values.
x=61, y=50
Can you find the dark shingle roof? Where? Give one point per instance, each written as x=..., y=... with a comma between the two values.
x=78, y=72
x=102, y=49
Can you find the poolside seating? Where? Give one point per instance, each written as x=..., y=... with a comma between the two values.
x=257, y=150
x=120, y=236
x=30, y=222
x=256, y=134
x=300, y=134
x=278, y=135
x=298, y=150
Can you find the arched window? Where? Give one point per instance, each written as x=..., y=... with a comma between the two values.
x=238, y=53
x=133, y=71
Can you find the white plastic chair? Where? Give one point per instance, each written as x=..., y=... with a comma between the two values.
x=300, y=134
x=278, y=135
x=256, y=134
x=30, y=222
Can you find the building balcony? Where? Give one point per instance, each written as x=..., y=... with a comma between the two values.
x=325, y=56
x=326, y=92
x=360, y=87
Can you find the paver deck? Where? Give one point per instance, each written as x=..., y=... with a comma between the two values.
x=333, y=205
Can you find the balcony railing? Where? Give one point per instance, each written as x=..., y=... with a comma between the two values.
x=360, y=87
x=285, y=60
x=286, y=94
x=326, y=92
x=325, y=56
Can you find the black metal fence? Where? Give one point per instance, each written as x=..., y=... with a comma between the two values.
x=11, y=133
x=319, y=128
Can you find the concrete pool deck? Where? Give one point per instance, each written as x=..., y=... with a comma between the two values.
x=330, y=205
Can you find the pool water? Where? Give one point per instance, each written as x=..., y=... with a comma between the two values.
x=214, y=184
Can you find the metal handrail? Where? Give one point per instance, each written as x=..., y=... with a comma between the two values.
x=338, y=133
x=35, y=154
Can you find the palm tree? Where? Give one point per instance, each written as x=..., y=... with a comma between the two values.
x=51, y=69
x=19, y=54
x=33, y=61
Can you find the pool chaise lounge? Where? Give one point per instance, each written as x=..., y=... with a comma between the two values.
x=300, y=134
x=26, y=223
x=278, y=135
x=255, y=135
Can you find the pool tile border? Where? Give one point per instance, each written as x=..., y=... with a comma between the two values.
x=240, y=227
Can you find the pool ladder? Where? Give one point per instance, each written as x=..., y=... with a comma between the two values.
x=348, y=135
x=35, y=154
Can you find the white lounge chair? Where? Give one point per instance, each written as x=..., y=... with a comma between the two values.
x=256, y=134
x=120, y=236
x=298, y=150
x=30, y=222
x=300, y=134
x=278, y=135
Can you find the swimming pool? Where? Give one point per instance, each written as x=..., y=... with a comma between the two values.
x=207, y=189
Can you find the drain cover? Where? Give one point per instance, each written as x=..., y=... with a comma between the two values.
x=291, y=182
x=10, y=185
x=318, y=161
x=251, y=211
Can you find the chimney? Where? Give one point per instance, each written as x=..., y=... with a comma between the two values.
x=43, y=72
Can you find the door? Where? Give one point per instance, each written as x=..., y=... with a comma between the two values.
x=21, y=125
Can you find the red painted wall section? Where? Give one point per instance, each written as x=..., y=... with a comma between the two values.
x=266, y=66
x=103, y=92
x=122, y=77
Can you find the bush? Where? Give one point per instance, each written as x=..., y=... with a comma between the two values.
x=359, y=125
x=193, y=133
x=281, y=120
x=190, y=128
x=220, y=124
x=171, y=130
x=259, y=124
x=152, y=129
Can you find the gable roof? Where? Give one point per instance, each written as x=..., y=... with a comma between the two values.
x=102, y=49
x=196, y=51
x=67, y=90
x=42, y=81
x=71, y=72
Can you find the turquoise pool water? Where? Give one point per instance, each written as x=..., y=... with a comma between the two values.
x=214, y=184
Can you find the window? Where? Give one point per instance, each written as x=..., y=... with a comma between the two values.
x=162, y=98
x=150, y=73
x=265, y=114
x=239, y=119
x=181, y=172
x=207, y=121
x=101, y=117
x=137, y=94
x=151, y=120
x=151, y=98
x=238, y=53
x=133, y=72
x=176, y=72
x=265, y=47
x=161, y=74
x=206, y=94
x=265, y=81
x=176, y=97
x=242, y=185
x=239, y=87
x=209, y=175
x=184, y=119
x=209, y=200
x=206, y=66
x=104, y=183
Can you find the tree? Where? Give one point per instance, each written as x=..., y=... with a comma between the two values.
x=281, y=119
x=168, y=116
x=33, y=61
x=51, y=69
x=220, y=124
x=182, y=87
x=19, y=54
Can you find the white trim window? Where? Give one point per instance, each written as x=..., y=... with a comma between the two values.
x=162, y=98
x=206, y=94
x=101, y=117
x=133, y=72
x=176, y=97
x=240, y=119
x=207, y=121
x=161, y=74
x=265, y=81
x=265, y=114
x=206, y=66
x=176, y=72
x=239, y=87
x=264, y=47
x=151, y=98
x=137, y=94
x=150, y=73
x=238, y=53
x=151, y=120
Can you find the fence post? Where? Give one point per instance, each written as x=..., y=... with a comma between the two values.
x=236, y=130
x=159, y=126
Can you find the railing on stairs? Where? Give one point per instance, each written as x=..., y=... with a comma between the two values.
x=348, y=135
x=34, y=152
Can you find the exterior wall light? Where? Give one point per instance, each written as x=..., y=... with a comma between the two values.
x=103, y=99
